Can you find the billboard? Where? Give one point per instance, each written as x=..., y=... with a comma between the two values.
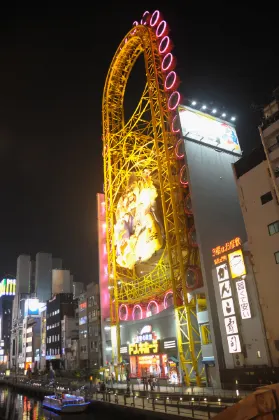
x=31, y=307
x=138, y=232
x=7, y=287
x=208, y=129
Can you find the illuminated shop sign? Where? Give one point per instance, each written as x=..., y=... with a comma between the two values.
x=83, y=320
x=209, y=130
x=234, y=343
x=145, y=334
x=236, y=262
x=231, y=325
x=31, y=307
x=169, y=343
x=222, y=272
x=123, y=349
x=144, y=348
x=245, y=311
x=228, y=246
x=7, y=287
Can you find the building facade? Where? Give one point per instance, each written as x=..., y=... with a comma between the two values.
x=259, y=204
x=62, y=281
x=90, y=341
x=56, y=308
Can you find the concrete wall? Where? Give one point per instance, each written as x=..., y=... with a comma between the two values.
x=217, y=214
x=61, y=282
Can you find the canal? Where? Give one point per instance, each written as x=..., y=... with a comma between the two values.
x=15, y=406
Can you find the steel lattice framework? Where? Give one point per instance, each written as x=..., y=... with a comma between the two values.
x=146, y=141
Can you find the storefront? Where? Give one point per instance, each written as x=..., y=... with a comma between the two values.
x=149, y=356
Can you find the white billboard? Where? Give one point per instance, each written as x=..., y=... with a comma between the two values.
x=208, y=129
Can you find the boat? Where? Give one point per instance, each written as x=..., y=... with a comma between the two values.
x=65, y=403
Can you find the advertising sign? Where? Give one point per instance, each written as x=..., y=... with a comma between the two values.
x=222, y=272
x=228, y=307
x=231, y=325
x=234, y=344
x=245, y=311
x=225, y=289
x=31, y=307
x=138, y=232
x=209, y=130
x=144, y=348
x=236, y=262
x=7, y=287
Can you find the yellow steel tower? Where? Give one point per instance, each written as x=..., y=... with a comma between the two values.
x=137, y=152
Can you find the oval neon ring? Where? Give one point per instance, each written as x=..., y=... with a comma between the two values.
x=134, y=309
x=155, y=18
x=175, y=97
x=167, y=62
x=143, y=22
x=177, y=130
x=166, y=297
x=161, y=29
x=162, y=48
x=156, y=304
x=170, y=80
x=125, y=317
x=135, y=23
x=178, y=144
x=182, y=175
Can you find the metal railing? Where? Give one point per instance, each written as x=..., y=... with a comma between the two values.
x=167, y=404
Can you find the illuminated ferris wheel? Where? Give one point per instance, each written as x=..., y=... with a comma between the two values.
x=151, y=243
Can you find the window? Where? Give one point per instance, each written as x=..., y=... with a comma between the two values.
x=276, y=255
x=273, y=227
x=266, y=197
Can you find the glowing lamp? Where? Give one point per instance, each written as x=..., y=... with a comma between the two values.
x=136, y=308
x=168, y=62
x=144, y=18
x=171, y=81
x=174, y=100
x=155, y=18
x=149, y=307
x=173, y=123
x=123, y=312
x=165, y=45
x=162, y=29
x=178, y=152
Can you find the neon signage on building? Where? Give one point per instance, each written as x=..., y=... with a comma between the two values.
x=144, y=348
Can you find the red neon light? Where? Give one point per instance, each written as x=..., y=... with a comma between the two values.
x=143, y=22
x=172, y=125
x=186, y=208
x=157, y=306
x=155, y=18
x=134, y=308
x=182, y=173
x=126, y=315
x=172, y=78
x=165, y=298
x=176, y=103
x=165, y=65
x=166, y=40
x=193, y=243
x=161, y=29
x=176, y=149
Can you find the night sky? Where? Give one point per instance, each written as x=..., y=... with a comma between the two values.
x=54, y=61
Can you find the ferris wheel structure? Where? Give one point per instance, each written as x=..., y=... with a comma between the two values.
x=144, y=162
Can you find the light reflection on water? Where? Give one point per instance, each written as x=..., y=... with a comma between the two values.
x=14, y=406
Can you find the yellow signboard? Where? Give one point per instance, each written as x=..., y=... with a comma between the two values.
x=144, y=348
x=236, y=262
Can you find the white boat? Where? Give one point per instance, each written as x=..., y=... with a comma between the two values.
x=65, y=403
